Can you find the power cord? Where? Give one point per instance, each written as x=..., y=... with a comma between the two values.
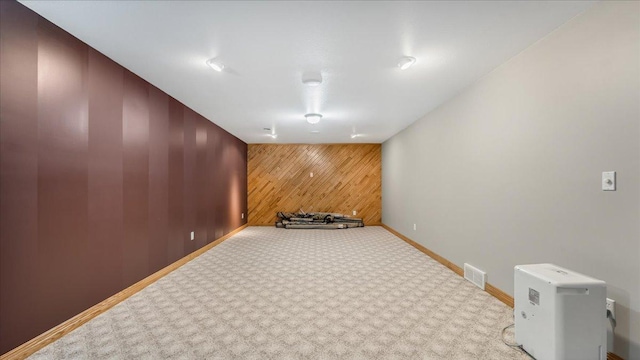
x=611, y=319
x=519, y=347
x=515, y=346
x=504, y=341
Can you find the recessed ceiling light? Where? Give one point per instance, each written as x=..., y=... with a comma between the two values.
x=406, y=62
x=313, y=118
x=215, y=65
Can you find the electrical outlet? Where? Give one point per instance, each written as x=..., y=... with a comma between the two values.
x=193, y=235
x=243, y=215
x=414, y=227
x=354, y=212
x=611, y=306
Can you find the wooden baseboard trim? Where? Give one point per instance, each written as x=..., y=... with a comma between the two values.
x=273, y=225
x=30, y=347
x=499, y=294
x=492, y=290
x=455, y=268
x=612, y=356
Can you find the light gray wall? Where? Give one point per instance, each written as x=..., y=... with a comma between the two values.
x=508, y=172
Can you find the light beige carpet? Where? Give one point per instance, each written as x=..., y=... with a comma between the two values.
x=271, y=293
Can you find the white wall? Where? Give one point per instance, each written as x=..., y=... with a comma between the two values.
x=508, y=172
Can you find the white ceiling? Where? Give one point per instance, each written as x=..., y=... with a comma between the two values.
x=266, y=46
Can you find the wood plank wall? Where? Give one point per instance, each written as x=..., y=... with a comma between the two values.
x=346, y=177
x=102, y=177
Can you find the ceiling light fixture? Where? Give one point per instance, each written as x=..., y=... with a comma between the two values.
x=312, y=78
x=312, y=82
x=215, y=65
x=313, y=118
x=406, y=62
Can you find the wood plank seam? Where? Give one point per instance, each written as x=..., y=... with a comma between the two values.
x=346, y=177
x=612, y=356
x=30, y=347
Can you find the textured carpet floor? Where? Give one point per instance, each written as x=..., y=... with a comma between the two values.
x=271, y=293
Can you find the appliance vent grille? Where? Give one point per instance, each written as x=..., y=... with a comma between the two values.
x=475, y=275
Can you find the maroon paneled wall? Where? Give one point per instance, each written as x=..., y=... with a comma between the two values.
x=102, y=177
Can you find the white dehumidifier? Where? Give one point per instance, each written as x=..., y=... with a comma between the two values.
x=560, y=314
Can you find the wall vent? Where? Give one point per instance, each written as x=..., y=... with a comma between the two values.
x=475, y=275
